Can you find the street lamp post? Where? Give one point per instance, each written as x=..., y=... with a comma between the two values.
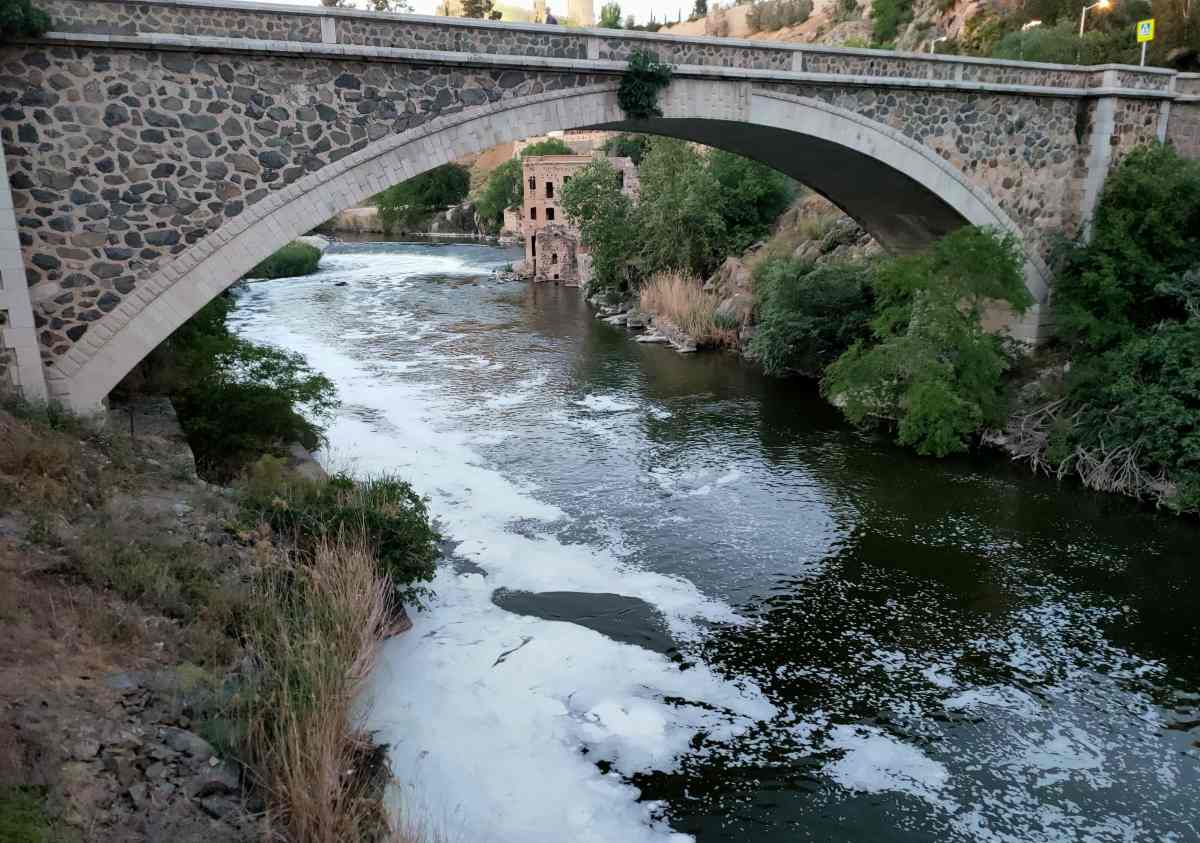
x=1099, y=4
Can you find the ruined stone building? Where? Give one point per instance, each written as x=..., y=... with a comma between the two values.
x=552, y=248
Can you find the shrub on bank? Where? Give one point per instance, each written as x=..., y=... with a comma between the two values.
x=235, y=399
x=809, y=315
x=382, y=514
x=1128, y=307
x=312, y=634
x=930, y=365
x=292, y=261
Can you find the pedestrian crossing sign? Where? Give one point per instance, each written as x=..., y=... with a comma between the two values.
x=1145, y=30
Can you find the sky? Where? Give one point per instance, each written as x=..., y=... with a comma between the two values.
x=640, y=9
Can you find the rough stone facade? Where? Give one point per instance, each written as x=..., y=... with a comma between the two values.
x=551, y=240
x=146, y=139
x=120, y=160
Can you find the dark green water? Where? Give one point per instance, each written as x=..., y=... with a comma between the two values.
x=949, y=650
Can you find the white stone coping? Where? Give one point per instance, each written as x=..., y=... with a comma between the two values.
x=596, y=32
x=214, y=44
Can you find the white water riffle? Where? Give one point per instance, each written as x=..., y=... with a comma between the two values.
x=495, y=747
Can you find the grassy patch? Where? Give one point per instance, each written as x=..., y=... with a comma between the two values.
x=382, y=513
x=684, y=303
x=23, y=816
x=293, y=260
x=313, y=635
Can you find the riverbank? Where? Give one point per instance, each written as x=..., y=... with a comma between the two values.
x=155, y=629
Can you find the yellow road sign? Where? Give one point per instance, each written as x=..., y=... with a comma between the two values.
x=1145, y=30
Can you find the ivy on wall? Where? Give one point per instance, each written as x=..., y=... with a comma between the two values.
x=19, y=19
x=644, y=77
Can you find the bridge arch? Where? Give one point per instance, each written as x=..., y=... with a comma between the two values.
x=900, y=191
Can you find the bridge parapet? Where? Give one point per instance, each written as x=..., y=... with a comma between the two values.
x=352, y=28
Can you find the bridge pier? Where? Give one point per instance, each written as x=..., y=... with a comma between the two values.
x=20, y=355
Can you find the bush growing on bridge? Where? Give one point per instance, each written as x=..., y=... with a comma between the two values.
x=932, y=367
x=644, y=77
x=292, y=261
x=809, y=315
x=410, y=203
x=19, y=19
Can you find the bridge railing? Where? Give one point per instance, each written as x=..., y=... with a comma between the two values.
x=347, y=27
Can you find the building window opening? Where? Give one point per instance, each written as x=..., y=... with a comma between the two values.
x=549, y=213
x=554, y=257
x=621, y=178
x=533, y=213
x=532, y=184
x=556, y=276
x=549, y=190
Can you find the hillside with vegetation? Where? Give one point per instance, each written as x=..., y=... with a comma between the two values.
x=987, y=28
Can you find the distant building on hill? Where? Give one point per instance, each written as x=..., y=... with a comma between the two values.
x=552, y=248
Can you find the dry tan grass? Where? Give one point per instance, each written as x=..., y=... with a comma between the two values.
x=314, y=640
x=683, y=302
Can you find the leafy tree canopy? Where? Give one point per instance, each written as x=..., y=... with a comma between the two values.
x=932, y=366
x=409, y=202
x=610, y=16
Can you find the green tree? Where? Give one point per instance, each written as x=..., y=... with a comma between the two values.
x=887, y=16
x=809, y=315
x=753, y=196
x=604, y=214
x=411, y=202
x=1128, y=308
x=236, y=399
x=480, y=9
x=933, y=368
x=610, y=16
x=628, y=146
x=1145, y=235
x=699, y=9
x=504, y=188
x=679, y=195
x=19, y=19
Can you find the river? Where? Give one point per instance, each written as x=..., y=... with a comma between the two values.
x=682, y=599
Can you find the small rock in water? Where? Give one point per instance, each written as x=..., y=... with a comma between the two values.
x=342, y=284
x=652, y=336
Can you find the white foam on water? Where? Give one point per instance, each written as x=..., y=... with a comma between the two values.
x=605, y=404
x=489, y=713
x=1003, y=697
x=874, y=762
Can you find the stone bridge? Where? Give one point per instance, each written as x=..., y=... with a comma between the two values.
x=157, y=149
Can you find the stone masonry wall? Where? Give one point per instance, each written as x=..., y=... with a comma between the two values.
x=128, y=17
x=121, y=159
x=1024, y=151
x=1183, y=131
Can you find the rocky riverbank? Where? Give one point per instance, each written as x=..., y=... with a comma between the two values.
x=131, y=663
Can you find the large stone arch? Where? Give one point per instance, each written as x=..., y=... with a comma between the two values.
x=904, y=194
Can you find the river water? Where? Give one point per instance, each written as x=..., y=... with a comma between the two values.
x=682, y=600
